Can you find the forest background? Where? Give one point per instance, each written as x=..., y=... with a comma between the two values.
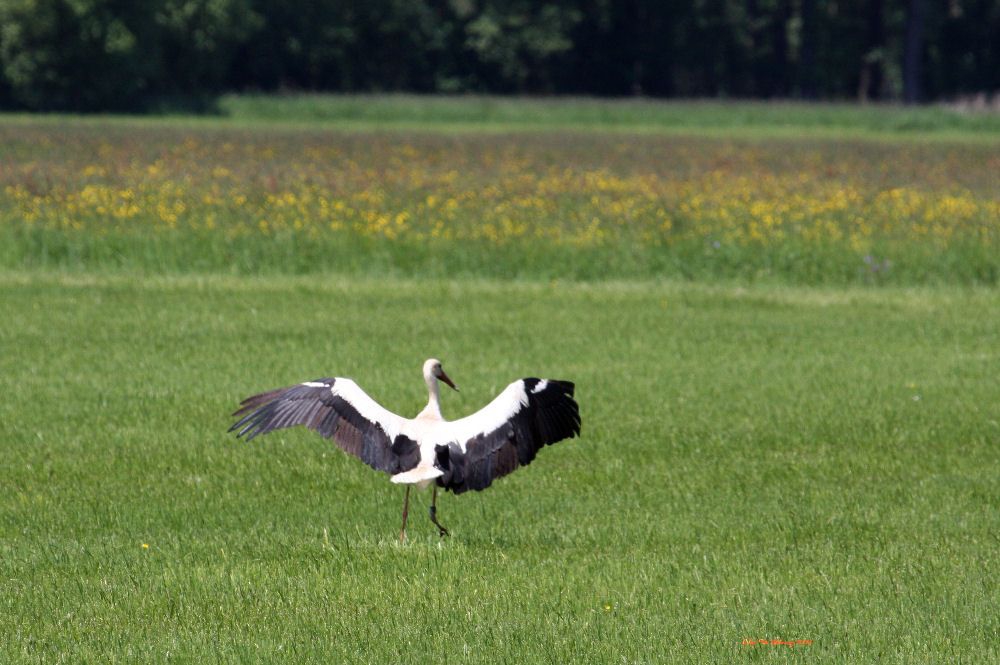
x=162, y=55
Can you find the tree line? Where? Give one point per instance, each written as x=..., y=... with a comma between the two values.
x=93, y=55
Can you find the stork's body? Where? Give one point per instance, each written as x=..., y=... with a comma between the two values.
x=459, y=455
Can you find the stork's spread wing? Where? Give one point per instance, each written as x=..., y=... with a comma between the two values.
x=337, y=409
x=506, y=433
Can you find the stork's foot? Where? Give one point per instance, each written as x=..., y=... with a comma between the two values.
x=441, y=530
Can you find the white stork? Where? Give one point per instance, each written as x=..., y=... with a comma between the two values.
x=458, y=455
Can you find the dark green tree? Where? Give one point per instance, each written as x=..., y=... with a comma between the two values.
x=129, y=54
x=116, y=54
x=80, y=54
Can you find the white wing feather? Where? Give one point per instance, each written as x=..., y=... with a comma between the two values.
x=368, y=408
x=488, y=419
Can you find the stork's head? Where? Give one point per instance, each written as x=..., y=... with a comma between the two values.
x=433, y=370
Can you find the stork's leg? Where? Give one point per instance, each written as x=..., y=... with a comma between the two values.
x=406, y=510
x=443, y=531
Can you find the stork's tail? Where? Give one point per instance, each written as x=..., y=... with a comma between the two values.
x=419, y=476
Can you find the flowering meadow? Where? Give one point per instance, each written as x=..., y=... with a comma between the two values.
x=787, y=450
x=558, y=204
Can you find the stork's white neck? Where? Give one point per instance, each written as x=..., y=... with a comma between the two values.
x=433, y=408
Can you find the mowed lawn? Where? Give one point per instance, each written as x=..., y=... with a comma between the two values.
x=766, y=463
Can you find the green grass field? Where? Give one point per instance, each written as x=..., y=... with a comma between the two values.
x=785, y=352
x=771, y=463
x=742, y=118
x=478, y=114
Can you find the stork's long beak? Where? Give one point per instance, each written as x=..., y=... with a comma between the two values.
x=444, y=377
